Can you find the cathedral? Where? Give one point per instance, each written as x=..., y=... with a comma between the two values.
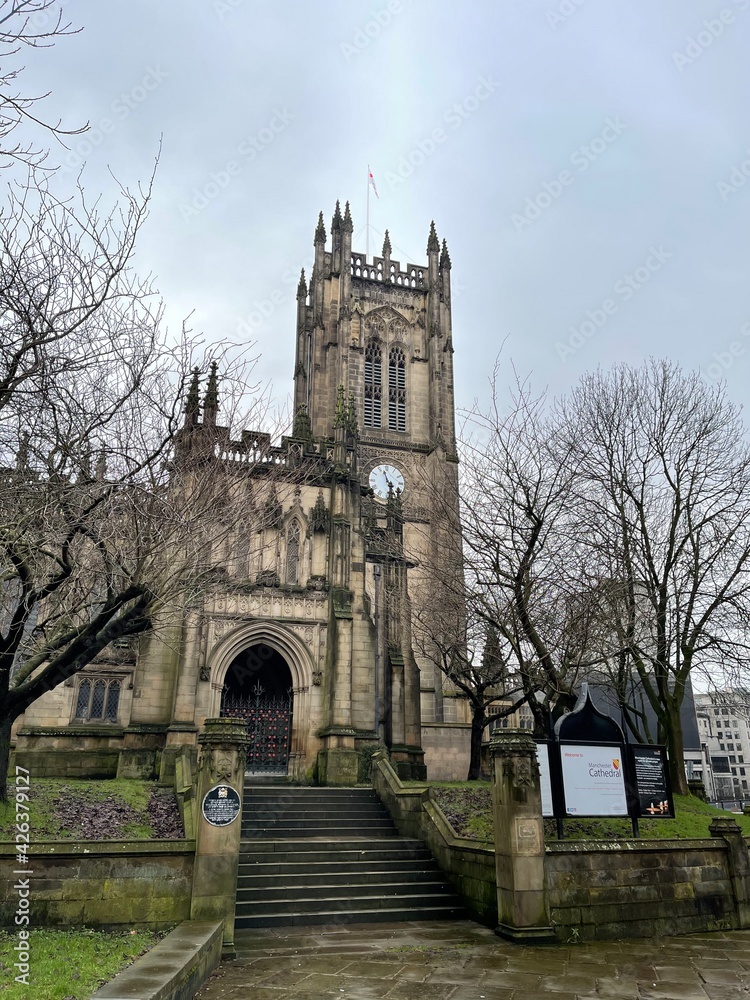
x=306, y=630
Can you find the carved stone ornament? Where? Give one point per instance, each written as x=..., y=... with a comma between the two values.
x=224, y=770
x=512, y=743
x=521, y=771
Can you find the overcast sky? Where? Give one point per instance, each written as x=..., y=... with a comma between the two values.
x=583, y=159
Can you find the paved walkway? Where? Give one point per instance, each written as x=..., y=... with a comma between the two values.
x=465, y=961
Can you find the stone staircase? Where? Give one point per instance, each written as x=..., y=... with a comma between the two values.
x=332, y=855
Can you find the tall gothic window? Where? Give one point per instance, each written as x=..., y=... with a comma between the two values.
x=292, y=552
x=373, y=384
x=396, y=390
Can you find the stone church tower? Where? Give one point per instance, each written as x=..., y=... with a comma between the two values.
x=306, y=630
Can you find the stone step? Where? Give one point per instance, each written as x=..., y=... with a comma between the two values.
x=345, y=902
x=286, y=845
x=316, y=856
x=355, y=916
x=309, y=793
x=301, y=827
x=257, y=895
x=329, y=822
x=320, y=864
x=316, y=811
x=360, y=876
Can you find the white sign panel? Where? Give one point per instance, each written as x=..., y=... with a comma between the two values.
x=545, y=782
x=593, y=780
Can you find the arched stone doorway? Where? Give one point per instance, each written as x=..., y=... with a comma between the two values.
x=258, y=688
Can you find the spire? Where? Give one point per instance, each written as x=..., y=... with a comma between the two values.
x=445, y=260
x=193, y=400
x=387, y=248
x=211, y=399
x=302, y=286
x=348, y=224
x=320, y=232
x=337, y=221
x=433, y=243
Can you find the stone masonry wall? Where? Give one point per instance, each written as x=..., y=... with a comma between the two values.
x=638, y=889
x=446, y=750
x=102, y=884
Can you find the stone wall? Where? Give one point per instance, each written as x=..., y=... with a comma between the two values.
x=469, y=864
x=69, y=751
x=446, y=750
x=102, y=883
x=639, y=888
x=629, y=888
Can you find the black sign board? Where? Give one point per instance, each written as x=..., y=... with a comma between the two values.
x=221, y=805
x=652, y=791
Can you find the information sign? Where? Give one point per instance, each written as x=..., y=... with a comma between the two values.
x=652, y=782
x=221, y=805
x=593, y=780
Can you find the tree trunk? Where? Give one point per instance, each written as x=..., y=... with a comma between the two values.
x=475, y=759
x=675, y=750
x=6, y=722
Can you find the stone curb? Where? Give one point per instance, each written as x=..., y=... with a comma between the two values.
x=175, y=969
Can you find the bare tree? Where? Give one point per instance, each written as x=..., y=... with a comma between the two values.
x=24, y=25
x=662, y=495
x=108, y=523
x=525, y=568
x=447, y=632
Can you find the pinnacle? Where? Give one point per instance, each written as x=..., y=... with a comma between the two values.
x=387, y=248
x=445, y=259
x=433, y=243
x=211, y=399
x=348, y=224
x=336, y=224
x=302, y=286
x=320, y=232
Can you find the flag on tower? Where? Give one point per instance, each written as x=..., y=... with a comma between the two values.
x=372, y=182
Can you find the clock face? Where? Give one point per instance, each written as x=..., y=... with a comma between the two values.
x=383, y=476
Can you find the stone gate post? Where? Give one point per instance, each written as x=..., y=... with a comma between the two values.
x=738, y=862
x=523, y=913
x=221, y=773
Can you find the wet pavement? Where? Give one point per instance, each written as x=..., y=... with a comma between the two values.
x=464, y=961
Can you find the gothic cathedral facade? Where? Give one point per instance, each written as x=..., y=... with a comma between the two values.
x=307, y=630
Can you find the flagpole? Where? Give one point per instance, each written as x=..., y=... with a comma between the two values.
x=367, y=223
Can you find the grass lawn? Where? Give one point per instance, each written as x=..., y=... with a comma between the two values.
x=467, y=805
x=69, y=965
x=117, y=809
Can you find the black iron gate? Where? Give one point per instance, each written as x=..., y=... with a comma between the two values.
x=269, y=725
